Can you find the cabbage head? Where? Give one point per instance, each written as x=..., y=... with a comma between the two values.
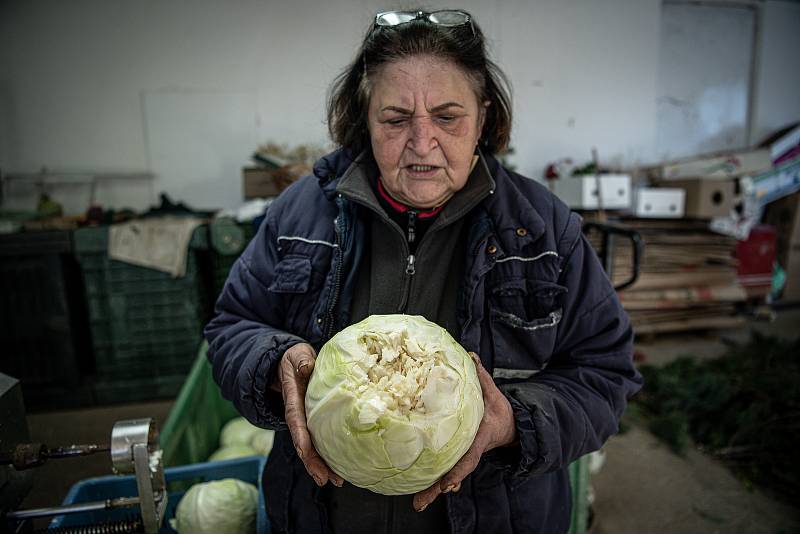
x=237, y=431
x=227, y=506
x=262, y=441
x=393, y=403
x=230, y=452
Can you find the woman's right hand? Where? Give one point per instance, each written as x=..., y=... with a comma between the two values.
x=294, y=372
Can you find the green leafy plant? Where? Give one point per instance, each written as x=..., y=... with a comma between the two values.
x=743, y=408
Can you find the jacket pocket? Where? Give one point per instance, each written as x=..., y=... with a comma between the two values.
x=524, y=317
x=291, y=283
x=292, y=275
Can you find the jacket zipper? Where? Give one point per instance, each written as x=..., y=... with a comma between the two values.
x=483, y=241
x=412, y=235
x=337, y=281
x=412, y=226
x=411, y=268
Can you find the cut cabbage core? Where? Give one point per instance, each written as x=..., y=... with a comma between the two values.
x=403, y=376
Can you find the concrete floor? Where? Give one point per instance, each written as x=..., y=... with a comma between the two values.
x=645, y=488
x=642, y=488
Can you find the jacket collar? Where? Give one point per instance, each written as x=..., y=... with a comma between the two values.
x=510, y=209
x=332, y=166
x=355, y=184
x=507, y=206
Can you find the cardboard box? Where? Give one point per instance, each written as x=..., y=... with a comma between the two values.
x=784, y=215
x=660, y=202
x=777, y=183
x=785, y=143
x=706, y=199
x=263, y=183
x=756, y=257
x=580, y=192
x=717, y=166
x=788, y=156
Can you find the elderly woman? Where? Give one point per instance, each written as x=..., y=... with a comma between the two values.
x=413, y=214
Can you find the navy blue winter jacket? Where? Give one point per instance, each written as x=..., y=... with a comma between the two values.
x=534, y=303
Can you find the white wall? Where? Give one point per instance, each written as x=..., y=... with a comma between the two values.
x=584, y=74
x=704, y=79
x=187, y=89
x=778, y=85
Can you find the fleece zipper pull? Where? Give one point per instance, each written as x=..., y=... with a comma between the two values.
x=412, y=223
x=412, y=235
x=410, y=269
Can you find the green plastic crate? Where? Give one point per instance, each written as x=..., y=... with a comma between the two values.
x=44, y=333
x=95, y=239
x=227, y=240
x=120, y=389
x=579, y=481
x=145, y=325
x=191, y=432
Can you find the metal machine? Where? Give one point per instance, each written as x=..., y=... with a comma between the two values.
x=134, y=449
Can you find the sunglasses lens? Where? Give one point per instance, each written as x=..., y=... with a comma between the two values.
x=449, y=18
x=393, y=18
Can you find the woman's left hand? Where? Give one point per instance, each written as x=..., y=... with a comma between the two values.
x=497, y=428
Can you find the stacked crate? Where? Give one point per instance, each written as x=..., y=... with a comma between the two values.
x=145, y=325
x=228, y=239
x=687, y=279
x=43, y=333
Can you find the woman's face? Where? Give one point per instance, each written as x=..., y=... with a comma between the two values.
x=424, y=122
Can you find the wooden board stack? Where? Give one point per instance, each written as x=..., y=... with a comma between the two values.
x=687, y=279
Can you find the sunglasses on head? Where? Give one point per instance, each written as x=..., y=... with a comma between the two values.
x=446, y=18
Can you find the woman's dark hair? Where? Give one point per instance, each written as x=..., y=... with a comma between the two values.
x=348, y=98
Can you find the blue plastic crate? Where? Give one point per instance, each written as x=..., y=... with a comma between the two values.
x=178, y=478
